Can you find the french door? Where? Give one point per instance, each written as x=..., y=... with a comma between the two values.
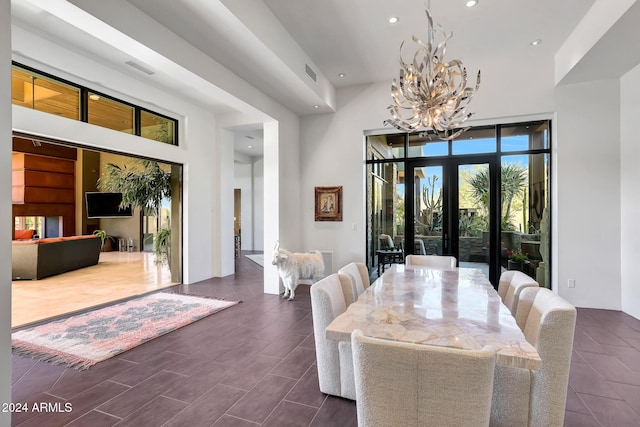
x=452, y=204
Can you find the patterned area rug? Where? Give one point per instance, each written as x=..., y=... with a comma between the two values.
x=85, y=339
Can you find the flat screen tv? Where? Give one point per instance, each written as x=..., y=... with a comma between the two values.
x=106, y=205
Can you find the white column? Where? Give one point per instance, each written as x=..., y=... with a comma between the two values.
x=5, y=207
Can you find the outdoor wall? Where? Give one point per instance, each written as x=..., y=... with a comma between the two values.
x=630, y=181
x=5, y=208
x=587, y=224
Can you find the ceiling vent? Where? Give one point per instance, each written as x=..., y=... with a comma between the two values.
x=311, y=73
x=139, y=67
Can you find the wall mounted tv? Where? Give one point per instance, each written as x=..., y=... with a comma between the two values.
x=106, y=205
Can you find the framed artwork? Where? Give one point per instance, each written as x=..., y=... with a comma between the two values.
x=329, y=203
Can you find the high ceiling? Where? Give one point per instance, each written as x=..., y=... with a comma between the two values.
x=269, y=43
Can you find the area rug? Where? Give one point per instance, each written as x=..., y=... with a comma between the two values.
x=257, y=258
x=82, y=340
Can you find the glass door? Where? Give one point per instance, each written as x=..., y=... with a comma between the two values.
x=451, y=204
x=472, y=197
x=426, y=210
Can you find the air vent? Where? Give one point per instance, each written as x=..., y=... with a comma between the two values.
x=310, y=73
x=139, y=67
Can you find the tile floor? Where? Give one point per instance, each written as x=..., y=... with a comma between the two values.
x=254, y=365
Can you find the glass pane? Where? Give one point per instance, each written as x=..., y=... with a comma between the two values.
x=526, y=136
x=421, y=146
x=157, y=128
x=428, y=210
x=525, y=215
x=473, y=216
x=40, y=93
x=110, y=114
x=385, y=146
x=385, y=208
x=474, y=141
x=34, y=223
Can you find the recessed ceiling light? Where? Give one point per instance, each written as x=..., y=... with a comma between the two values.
x=536, y=42
x=471, y=3
x=341, y=75
x=249, y=146
x=394, y=20
x=316, y=106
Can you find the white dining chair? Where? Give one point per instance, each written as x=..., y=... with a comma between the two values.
x=503, y=283
x=513, y=288
x=333, y=359
x=537, y=398
x=441, y=261
x=359, y=277
x=406, y=384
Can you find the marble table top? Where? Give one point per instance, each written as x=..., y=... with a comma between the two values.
x=446, y=307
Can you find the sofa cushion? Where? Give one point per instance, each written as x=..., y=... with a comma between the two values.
x=24, y=234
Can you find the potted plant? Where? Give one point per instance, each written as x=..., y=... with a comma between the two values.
x=108, y=243
x=517, y=260
x=162, y=246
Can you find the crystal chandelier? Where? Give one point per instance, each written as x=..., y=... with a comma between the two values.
x=431, y=94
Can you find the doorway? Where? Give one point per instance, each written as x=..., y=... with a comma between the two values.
x=450, y=204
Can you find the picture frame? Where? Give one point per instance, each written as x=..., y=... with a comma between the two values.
x=328, y=203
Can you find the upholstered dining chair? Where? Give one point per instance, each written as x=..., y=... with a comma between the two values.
x=333, y=358
x=405, y=384
x=503, y=283
x=511, y=288
x=537, y=398
x=386, y=242
x=358, y=275
x=442, y=261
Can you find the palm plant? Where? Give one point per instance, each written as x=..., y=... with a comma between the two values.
x=513, y=182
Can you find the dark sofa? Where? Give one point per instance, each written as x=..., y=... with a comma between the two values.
x=36, y=259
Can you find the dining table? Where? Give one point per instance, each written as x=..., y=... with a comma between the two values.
x=449, y=307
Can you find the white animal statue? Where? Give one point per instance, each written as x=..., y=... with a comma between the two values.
x=295, y=266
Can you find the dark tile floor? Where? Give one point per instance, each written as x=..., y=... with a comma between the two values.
x=254, y=365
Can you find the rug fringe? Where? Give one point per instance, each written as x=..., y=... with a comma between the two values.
x=31, y=351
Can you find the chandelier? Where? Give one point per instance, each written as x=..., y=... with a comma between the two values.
x=431, y=95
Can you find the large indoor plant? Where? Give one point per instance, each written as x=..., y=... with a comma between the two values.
x=143, y=184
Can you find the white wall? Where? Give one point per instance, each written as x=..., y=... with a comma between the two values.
x=244, y=182
x=249, y=178
x=630, y=182
x=587, y=226
x=5, y=208
x=332, y=148
x=586, y=205
x=258, y=205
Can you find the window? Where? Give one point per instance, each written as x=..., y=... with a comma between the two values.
x=107, y=113
x=481, y=197
x=153, y=126
x=36, y=90
x=40, y=93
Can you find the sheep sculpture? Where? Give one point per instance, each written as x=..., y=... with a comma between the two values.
x=295, y=266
